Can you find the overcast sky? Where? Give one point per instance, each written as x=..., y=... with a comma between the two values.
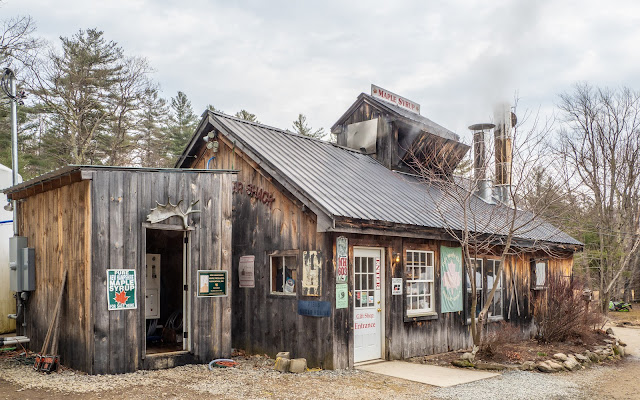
x=280, y=58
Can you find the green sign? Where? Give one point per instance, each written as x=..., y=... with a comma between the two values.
x=342, y=295
x=212, y=283
x=121, y=289
x=451, y=270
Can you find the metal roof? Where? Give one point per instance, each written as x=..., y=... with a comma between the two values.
x=69, y=169
x=346, y=183
x=423, y=123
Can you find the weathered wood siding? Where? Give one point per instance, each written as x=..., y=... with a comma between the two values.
x=264, y=322
x=408, y=337
x=57, y=224
x=121, y=201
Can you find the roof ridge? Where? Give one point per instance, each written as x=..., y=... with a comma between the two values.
x=279, y=130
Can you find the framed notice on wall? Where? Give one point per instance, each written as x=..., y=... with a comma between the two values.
x=246, y=276
x=311, y=273
x=121, y=289
x=342, y=254
x=212, y=283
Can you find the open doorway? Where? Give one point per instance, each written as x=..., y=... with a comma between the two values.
x=164, y=291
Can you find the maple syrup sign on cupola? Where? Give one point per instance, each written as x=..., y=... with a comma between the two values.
x=164, y=211
x=393, y=98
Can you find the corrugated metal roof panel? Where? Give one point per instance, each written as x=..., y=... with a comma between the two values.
x=350, y=184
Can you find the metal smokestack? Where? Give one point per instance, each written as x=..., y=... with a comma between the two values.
x=480, y=159
x=505, y=121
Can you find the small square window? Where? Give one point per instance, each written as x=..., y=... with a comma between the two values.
x=284, y=274
x=539, y=274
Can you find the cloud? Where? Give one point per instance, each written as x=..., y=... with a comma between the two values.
x=279, y=58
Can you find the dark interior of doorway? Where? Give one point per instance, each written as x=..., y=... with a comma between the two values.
x=164, y=334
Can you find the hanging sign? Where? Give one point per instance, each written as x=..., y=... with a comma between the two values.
x=212, y=283
x=377, y=273
x=451, y=270
x=246, y=272
x=396, y=286
x=121, y=289
x=342, y=250
x=314, y=308
x=342, y=295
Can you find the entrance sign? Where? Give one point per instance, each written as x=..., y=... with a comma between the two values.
x=121, y=289
x=342, y=250
x=365, y=323
x=451, y=265
x=393, y=98
x=212, y=283
x=246, y=272
x=342, y=295
x=314, y=308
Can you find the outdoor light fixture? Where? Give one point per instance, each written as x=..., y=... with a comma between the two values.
x=8, y=207
x=396, y=257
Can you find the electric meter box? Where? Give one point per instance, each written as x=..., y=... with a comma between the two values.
x=22, y=276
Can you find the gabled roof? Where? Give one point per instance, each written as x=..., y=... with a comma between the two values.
x=400, y=113
x=345, y=184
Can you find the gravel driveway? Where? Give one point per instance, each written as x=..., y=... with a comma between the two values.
x=256, y=379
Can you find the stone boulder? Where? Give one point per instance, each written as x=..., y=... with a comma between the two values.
x=462, y=363
x=560, y=356
x=549, y=366
x=571, y=364
x=581, y=358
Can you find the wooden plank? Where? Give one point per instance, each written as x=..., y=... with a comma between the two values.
x=133, y=319
x=100, y=263
x=117, y=333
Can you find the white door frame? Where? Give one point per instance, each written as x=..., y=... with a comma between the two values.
x=382, y=297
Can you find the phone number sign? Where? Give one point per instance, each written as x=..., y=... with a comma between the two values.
x=342, y=267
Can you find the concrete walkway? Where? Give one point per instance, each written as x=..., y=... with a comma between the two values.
x=630, y=336
x=429, y=374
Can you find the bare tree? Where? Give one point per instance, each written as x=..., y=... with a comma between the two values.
x=16, y=42
x=485, y=225
x=600, y=144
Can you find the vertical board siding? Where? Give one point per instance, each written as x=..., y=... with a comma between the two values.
x=262, y=322
x=50, y=222
x=122, y=200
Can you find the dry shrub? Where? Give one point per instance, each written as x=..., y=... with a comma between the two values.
x=505, y=333
x=561, y=312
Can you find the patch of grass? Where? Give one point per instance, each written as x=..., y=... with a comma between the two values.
x=631, y=317
x=542, y=354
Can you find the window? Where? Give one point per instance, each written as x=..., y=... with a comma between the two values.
x=419, y=279
x=478, y=262
x=495, y=309
x=486, y=273
x=284, y=273
x=364, y=275
x=539, y=274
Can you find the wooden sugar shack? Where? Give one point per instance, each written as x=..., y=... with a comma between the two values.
x=338, y=254
x=145, y=281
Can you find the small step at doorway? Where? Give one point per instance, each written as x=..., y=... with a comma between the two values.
x=428, y=374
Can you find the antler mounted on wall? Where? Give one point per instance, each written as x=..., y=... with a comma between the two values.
x=164, y=211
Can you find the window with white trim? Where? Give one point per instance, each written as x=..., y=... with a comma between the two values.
x=479, y=279
x=284, y=273
x=495, y=309
x=486, y=270
x=539, y=273
x=419, y=270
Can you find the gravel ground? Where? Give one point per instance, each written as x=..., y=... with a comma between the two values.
x=256, y=379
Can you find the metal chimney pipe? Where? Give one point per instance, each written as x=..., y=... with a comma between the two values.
x=480, y=159
x=14, y=139
x=505, y=120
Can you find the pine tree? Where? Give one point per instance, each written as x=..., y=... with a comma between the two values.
x=152, y=122
x=247, y=116
x=182, y=124
x=300, y=127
